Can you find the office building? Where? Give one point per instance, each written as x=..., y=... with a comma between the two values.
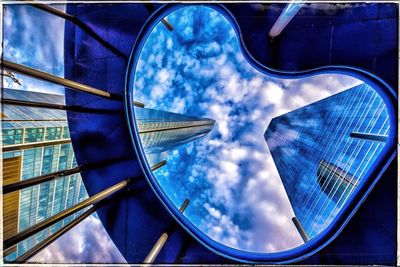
x=36, y=142
x=324, y=150
x=161, y=131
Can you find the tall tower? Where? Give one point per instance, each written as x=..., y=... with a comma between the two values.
x=324, y=150
x=161, y=131
x=36, y=143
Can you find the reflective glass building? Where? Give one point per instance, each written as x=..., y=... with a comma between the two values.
x=36, y=142
x=161, y=131
x=324, y=150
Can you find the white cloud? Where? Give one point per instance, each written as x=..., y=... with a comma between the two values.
x=88, y=242
x=240, y=188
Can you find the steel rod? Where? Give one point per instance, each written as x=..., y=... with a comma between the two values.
x=81, y=25
x=162, y=239
x=32, y=120
x=369, y=136
x=167, y=25
x=9, y=242
x=184, y=205
x=35, y=144
x=37, y=248
x=284, y=18
x=15, y=102
x=8, y=251
x=301, y=230
x=152, y=8
x=9, y=188
x=55, y=79
x=158, y=165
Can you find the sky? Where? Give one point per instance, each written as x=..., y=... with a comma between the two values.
x=237, y=197
x=36, y=39
x=198, y=69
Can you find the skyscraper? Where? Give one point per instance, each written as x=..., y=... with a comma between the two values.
x=35, y=142
x=324, y=150
x=161, y=131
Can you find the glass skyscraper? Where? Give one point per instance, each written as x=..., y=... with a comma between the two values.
x=324, y=150
x=36, y=141
x=161, y=131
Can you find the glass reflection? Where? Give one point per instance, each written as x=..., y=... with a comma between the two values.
x=250, y=151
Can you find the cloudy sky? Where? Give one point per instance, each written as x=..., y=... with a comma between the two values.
x=198, y=69
x=236, y=194
x=36, y=39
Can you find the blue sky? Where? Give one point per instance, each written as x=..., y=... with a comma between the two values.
x=36, y=39
x=236, y=194
x=198, y=69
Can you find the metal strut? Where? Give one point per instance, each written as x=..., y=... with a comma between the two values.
x=81, y=25
x=62, y=81
x=162, y=239
x=9, y=188
x=11, y=241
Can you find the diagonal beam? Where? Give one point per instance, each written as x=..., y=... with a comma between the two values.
x=301, y=230
x=15, y=102
x=284, y=18
x=9, y=188
x=35, y=144
x=81, y=25
x=37, y=248
x=57, y=80
x=162, y=239
x=11, y=241
x=369, y=136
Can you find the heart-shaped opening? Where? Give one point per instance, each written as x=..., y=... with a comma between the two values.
x=269, y=163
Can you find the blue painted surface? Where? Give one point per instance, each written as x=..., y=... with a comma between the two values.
x=136, y=222
x=363, y=36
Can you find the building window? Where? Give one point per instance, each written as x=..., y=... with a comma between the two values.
x=53, y=133
x=66, y=133
x=33, y=135
x=12, y=136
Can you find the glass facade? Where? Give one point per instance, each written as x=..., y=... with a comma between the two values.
x=161, y=131
x=324, y=150
x=24, y=125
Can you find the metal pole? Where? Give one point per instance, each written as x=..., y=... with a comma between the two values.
x=55, y=175
x=138, y=104
x=33, y=251
x=371, y=137
x=38, y=180
x=54, y=79
x=35, y=144
x=55, y=218
x=158, y=165
x=163, y=238
x=14, y=102
x=81, y=25
x=152, y=8
x=284, y=18
x=301, y=230
x=167, y=25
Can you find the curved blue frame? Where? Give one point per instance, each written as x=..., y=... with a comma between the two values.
x=336, y=226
